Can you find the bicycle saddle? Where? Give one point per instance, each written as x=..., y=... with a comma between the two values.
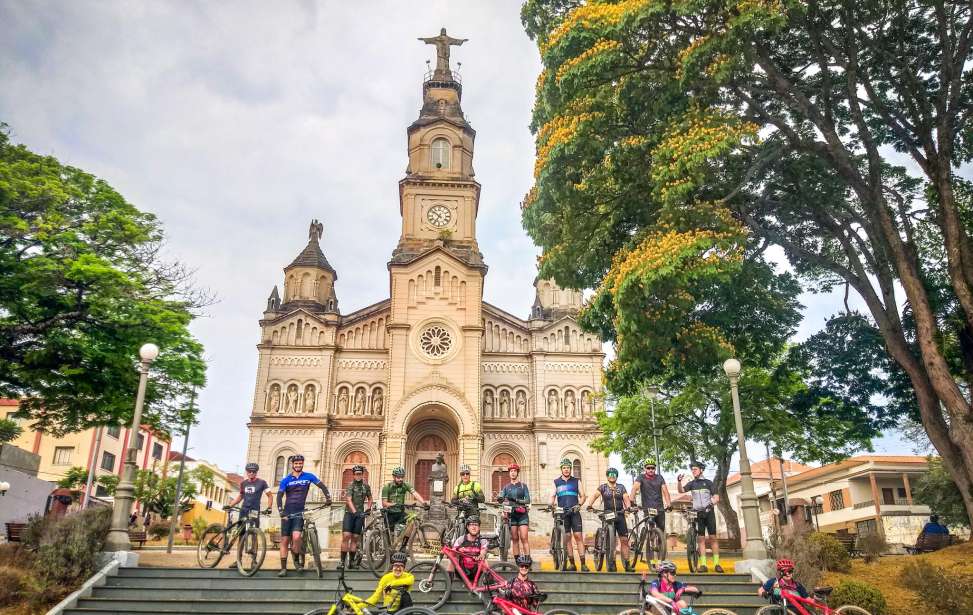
x=823, y=591
x=491, y=536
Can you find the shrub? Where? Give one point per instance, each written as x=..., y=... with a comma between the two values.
x=805, y=554
x=12, y=586
x=872, y=545
x=832, y=554
x=199, y=526
x=15, y=555
x=37, y=526
x=158, y=530
x=945, y=591
x=68, y=551
x=859, y=594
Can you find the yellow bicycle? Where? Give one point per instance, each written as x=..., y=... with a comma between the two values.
x=347, y=603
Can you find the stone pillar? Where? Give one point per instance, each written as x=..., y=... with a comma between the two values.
x=878, y=507
x=908, y=489
x=393, y=455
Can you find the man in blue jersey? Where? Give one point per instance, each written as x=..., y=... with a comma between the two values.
x=290, y=503
x=569, y=495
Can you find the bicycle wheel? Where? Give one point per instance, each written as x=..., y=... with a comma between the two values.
x=562, y=612
x=251, y=551
x=599, y=549
x=504, y=538
x=774, y=609
x=849, y=610
x=431, y=580
x=425, y=541
x=655, y=547
x=692, y=551
x=718, y=612
x=311, y=545
x=377, y=551
x=635, y=545
x=212, y=546
x=504, y=567
x=557, y=548
x=631, y=612
x=416, y=610
x=611, y=542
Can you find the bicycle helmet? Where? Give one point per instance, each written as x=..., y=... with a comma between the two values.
x=698, y=464
x=567, y=462
x=473, y=519
x=297, y=458
x=524, y=560
x=648, y=463
x=666, y=566
x=399, y=557
x=513, y=466
x=398, y=471
x=252, y=467
x=611, y=471
x=784, y=565
x=464, y=469
x=357, y=469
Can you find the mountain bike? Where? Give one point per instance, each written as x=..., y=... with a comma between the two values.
x=218, y=539
x=646, y=537
x=347, y=603
x=380, y=541
x=603, y=550
x=500, y=605
x=503, y=527
x=456, y=525
x=817, y=604
x=559, y=537
x=433, y=579
x=650, y=605
x=309, y=542
x=692, y=544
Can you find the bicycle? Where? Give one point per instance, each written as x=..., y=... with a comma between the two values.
x=692, y=544
x=378, y=540
x=503, y=606
x=347, y=603
x=310, y=544
x=218, y=539
x=503, y=528
x=559, y=537
x=433, y=579
x=650, y=605
x=816, y=605
x=603, y=550
x=456, y=525
x=646, y=534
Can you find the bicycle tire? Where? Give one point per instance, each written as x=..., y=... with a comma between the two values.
x=658, y=551
x=630, y=612
x=253, y=543
x=718, y=611
x=560, y=612
x=416, y=610
x=315, y=548
x=774, y=609
x=504, y=567
x=611, y=544
x=431, y=579
x=504, y=539
x=599, y=550
x=849, y=609
x=212, y=541
x=425, y=539
x=376, y=546
x=558, y=548
x=692, y=551
x=636, y=542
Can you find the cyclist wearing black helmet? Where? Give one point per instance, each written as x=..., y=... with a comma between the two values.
x=291, y=496
x=251, y=488
x=704, y=497
x=358, y=500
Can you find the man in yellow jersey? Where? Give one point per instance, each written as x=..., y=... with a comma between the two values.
x=467, y=493
x=392, y=590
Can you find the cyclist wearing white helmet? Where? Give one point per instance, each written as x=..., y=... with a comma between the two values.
x=467, y=492
x=251, y=488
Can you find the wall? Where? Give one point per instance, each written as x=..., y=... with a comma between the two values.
x=27, y=495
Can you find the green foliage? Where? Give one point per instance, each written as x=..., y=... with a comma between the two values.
x=158, y=530
x=809, y=566
x=872, y=545
x=199, y=526
x=9, y=430
x=13, y=584
x=75, y=478
x=831, y=553
x=944, y=591
x=157, y=490
x=937, y=490
x=37, y=526
x=860, y=594
x=83, y=288
x=68, y=550
x=109, y=482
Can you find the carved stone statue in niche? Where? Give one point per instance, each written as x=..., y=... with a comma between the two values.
x=521, y=404
x=273, y=403
x=291, y=402
x=585, y=403
x=343, y=401
x=360, y=402
x=570, y=407
x=378, y=400
x=310, y=398
x=504, y=404
x=552, y=404
x=488, y=404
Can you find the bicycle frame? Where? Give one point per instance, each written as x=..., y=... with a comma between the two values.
x=482, y=570
x=794, y=601
x=645, y=598
x=508, y=607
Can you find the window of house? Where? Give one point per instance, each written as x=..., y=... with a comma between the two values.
x=279, y=470
x=577, y=469
x=101, y=492
x=901, y=492
x=440, y=153
x=140, y=441
x=867, y=526
x=837, y=500
x=157, y=451
x=114, y=431
x=888, y=496
x=62, y=455
x=108, y=461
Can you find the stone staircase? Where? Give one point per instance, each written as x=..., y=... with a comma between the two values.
x=224, y=591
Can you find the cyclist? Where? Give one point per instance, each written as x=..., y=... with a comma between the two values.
x=251, y=488
x=655, y=494
x=358, y=500
x=394, y=586
x=471, y=546
x=615, y=498
x=291, y=496
x=667, y=589
x=518, y=495
x=785, y=581
x=393, y=499
x=702, y=491
x=521, y=590
x=467, y=493
x=569, y=495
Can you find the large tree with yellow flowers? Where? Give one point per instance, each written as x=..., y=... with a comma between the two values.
x=677, y=139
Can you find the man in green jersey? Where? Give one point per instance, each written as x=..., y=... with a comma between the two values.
x=393, y=498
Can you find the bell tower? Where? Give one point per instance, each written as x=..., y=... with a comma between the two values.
x=439, y=197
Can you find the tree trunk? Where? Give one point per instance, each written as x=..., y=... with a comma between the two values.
x=729, y=515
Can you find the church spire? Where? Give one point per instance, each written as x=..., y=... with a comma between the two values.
x=309, y=279
x=442, y=88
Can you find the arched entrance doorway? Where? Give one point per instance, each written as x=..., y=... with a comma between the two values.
x=432, y=430
x=501, y=476
x=351, y=460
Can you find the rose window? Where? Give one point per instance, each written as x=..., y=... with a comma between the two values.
x=436, y=341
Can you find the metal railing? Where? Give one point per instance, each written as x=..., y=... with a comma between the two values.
x=454, y=73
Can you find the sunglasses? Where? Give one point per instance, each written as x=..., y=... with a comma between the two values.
x=525, y=566
x=464, y=473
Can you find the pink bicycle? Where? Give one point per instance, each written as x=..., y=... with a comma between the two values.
x=793, y=604
x=433, y=579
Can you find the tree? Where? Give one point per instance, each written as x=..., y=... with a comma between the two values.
x=75, y=478
x=10, y=430
x=771, y=123
x=937, y=490
x=83, y=286
x=157, y=490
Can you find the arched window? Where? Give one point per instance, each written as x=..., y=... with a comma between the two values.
x=351, y=460
x=577, y=469
x=501, y=477
x=279, y=470
x=440, y=153
x=439, y=276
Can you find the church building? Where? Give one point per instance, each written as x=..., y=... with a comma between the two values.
x=433, y=368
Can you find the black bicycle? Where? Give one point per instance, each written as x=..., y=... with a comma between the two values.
x=646, y=537
x=379, y=540
x=504, y=509
x=606, y=540
x=692, y=544
x=559, y=536
x=309, y=544
x=347, y=603
x=219, y=539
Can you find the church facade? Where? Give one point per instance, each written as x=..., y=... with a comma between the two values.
x=433, y=368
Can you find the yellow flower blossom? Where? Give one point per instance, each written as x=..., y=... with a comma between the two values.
x=600, y=47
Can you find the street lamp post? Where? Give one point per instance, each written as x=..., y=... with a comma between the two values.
x=754, y=548
x=652, y=392
x=117, y=539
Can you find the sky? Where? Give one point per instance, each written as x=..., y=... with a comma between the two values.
x=237, y=123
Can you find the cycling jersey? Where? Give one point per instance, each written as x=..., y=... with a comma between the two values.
x=469, y=551
x=358, y=491
x=251, y=491
x=650, y=489
x=517, y=493
x=773, y=586
x=294, y=489
x=612, y=498
x=567, y=491
x=521, y=592
x=396, y=493
x=393, y=591
x=669, y=590
x=469, y=490
x=701, y=490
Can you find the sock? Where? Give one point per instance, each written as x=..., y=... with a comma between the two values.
x=702, y=558
x=283, y=563
x=716, y=559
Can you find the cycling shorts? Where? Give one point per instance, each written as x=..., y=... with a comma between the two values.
x=572, y=522
x=621, y=527
x=519, y=519
x=353, y=523
x=243, y=515
x=289, y=525
x=706, y=522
